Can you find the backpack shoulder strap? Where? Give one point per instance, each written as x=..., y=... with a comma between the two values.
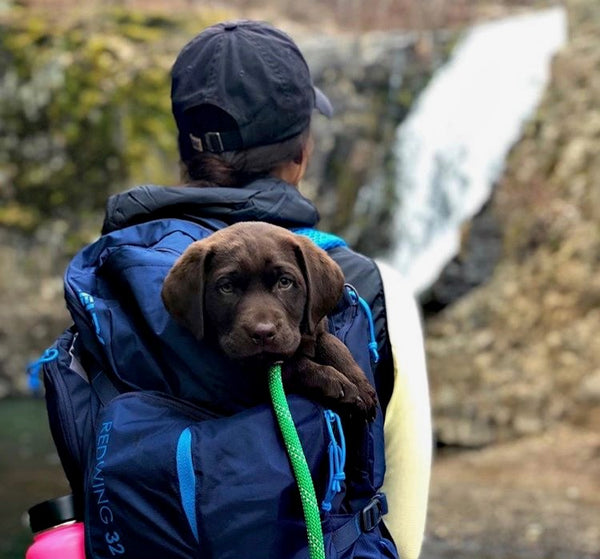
x=102, y=385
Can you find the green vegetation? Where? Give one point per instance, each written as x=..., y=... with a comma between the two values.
x=84, y=108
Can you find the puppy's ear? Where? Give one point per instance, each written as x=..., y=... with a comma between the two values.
x=324, y=282
x=183, y=289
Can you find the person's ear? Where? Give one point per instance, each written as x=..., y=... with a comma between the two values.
x=302, y=159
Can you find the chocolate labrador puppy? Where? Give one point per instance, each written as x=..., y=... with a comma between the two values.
x=261, y=294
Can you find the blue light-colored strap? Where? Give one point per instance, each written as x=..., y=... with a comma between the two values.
x=372, y=339
x=187, y=479
x=337, y=458
x=367, y=310
x=34, y=367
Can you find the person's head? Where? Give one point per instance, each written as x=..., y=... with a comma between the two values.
x=242, y=97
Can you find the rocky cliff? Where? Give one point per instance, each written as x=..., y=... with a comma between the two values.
x=521, y=353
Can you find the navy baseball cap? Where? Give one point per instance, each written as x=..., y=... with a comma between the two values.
x=241, y=84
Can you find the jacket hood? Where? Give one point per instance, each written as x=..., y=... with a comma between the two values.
x=268, y=199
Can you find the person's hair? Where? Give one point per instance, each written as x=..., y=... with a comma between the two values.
x=238, y=168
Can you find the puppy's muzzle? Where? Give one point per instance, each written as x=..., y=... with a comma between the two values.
x=262, y=333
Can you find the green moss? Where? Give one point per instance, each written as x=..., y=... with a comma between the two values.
x=84, y=109
x=16, y=216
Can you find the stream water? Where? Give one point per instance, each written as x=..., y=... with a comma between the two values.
x=30, y=471
x=451, y=148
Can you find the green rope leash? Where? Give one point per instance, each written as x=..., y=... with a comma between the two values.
x=304, y=480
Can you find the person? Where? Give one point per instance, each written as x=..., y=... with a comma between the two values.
x=243, y=100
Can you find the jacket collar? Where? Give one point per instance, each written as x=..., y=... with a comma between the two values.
x=266, y=199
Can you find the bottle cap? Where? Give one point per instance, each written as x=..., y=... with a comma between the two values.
x=52, y=513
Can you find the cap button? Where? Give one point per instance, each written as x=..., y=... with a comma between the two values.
x=230, y=26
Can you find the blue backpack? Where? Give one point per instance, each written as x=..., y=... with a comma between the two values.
x=163, y=460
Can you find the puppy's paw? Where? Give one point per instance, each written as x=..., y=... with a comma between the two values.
x=337, y=388
x=355, y=399
x=367, y=400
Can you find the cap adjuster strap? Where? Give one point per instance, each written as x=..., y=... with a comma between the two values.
x=211, y=141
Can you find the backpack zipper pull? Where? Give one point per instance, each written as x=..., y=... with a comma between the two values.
x=34, y=367
x=356, y=299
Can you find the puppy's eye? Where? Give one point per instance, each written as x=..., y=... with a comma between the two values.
x=225, y=287
x=284, y=282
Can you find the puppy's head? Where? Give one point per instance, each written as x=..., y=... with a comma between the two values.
x=255, y=288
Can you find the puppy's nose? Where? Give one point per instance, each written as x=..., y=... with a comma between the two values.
x=263, y=332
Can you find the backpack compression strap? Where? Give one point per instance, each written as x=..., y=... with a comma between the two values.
x=295, y=453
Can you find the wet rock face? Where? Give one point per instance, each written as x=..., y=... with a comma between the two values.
x=522, y=352
x=481, y=250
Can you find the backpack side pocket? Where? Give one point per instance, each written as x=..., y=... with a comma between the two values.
x=70, y=407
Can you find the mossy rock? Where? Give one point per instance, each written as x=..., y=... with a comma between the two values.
x=84, y=109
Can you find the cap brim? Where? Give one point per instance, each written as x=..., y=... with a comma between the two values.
x=322, y=103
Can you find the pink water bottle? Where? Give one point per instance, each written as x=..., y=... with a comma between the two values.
x=57, y=533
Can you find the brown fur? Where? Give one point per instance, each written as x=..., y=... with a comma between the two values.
x=261, y=294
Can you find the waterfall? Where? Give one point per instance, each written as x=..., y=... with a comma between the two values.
x=451, y=148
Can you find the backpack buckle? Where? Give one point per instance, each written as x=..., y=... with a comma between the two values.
x=371, y=515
